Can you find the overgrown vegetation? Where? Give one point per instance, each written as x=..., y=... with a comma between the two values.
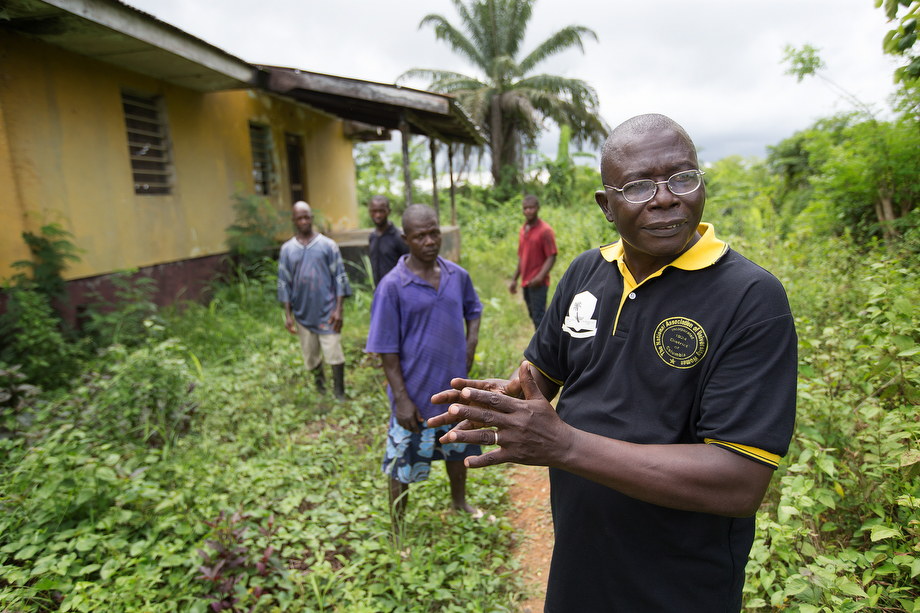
x=205, y=443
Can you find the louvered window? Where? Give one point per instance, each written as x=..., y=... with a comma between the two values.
x=260, y=138
x=148, y=143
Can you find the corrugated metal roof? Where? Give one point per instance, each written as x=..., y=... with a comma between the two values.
x=380, y=104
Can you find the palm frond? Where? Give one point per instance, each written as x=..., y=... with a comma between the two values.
x=518, y=17
x=560, y=41
x=510, y=21
x=585, y=123
x=574, y=89
x=475, y=30
x=458, y=88
x=443, y=30
x=503, y=70
x=434, y=75
x=480, y=105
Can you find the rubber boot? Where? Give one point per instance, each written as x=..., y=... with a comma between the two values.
x=338, y=378
x=320, y=379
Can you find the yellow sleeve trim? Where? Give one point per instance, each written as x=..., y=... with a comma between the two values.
x=556, y=381
x=759, y=455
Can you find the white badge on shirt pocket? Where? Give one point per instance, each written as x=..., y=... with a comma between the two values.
x=580, y=322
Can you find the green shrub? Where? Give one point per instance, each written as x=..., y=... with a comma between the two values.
x=256, y=230
x=839, y=529
x=34, y=339
x=145, y=395
x=15, y=395
x=51, y=250
x=125, y=320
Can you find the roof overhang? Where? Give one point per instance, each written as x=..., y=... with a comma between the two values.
x=434, y=115
x=115, y=33
x=112, y=32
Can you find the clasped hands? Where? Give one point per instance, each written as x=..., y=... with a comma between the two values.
x=529, y=431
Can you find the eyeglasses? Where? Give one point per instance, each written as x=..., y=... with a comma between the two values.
x=643, y=190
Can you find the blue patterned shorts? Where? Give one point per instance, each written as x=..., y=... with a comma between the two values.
x=409, y=455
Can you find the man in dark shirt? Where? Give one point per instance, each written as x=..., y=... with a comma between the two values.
x=676, y=357
x=386, y=243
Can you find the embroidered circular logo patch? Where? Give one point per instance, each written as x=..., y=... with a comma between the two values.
x=680, y=342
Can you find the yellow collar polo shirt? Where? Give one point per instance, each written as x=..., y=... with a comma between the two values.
x=702, y=351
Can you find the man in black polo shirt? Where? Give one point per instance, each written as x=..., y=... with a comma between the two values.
x=676, y=357
x=385, y=242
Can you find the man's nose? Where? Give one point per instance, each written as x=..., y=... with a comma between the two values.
x=664, y=197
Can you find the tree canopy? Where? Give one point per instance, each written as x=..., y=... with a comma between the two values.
x=508, y=99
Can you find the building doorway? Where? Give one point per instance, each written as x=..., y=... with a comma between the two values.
x=296, y=171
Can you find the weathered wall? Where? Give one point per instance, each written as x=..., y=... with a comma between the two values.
x=12, y=215
x=64, y=157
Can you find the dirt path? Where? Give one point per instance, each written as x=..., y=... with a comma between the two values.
x=533, y=523
x=531, y=515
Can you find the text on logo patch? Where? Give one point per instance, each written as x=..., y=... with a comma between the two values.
x=680, y=342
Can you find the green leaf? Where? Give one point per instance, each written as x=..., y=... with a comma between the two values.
x=796, y=585
x=785, y=512
x=109, y=569
x=777, y=598
x=26, y=552
x=850, y=587
x=827, y=465
x=87, y=542
x=903, y=305
x=137, y=548
x=824, y=497
x=881, y=532
x=105, y=473
x=46, y=584
x=89, y=568
x=910, y=457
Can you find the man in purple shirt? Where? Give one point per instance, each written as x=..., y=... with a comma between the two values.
x=417, y=327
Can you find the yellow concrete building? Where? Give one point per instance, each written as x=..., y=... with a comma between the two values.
x=135, y=137
x=69, y=153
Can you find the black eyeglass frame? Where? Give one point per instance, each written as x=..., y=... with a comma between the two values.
x=622, y=190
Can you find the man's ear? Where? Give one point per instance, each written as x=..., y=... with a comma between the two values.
x=600, y=196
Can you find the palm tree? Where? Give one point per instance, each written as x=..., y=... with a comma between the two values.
x=509, y=102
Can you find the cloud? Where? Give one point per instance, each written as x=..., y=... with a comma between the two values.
x=713, y=65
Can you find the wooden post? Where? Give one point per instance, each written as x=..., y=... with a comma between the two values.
x=450, y=170
x=434, y=178
x=407, y=173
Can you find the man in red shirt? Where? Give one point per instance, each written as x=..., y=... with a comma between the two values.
x=536, y=256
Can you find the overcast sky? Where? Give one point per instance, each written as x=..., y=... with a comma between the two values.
x=712, y=65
